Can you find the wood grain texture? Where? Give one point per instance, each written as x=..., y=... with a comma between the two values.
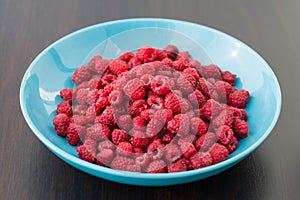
x=29, y=171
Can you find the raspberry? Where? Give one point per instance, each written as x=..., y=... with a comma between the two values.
x=91, y=64
x=186, y=83
x=101, y=66
x=65, y=108
x=81, y=74
x=105, y=144
x=146, y=68
x=204, y=142
x=124, y=149
x=160, y=85
x=172, y=153
x=184, y=54
x=239, y=98
x=125, y=122
x=118, y=136
x=198, y=126
x=180, y=124
x=78, y=119
x=218, y=153
x=167, y=137
x=225, y=134
x=61, y=123
x=121, y=163
x=98, y=132
x=239, y=113
x=172, y=102
x=228, y=77
x=140, y=140
x=91, y=113
x=146, y=54
x=139, y=123
x=171, y=51
x=154, y=128
x=160, y=54
x=231, y=147
x=134, y=89
x=109, y=78
x=156, y=166
x=134, y=61
x=180, y=64
x=205, y=87
x=178, y=166
x=147, y=79
x=211, y=109
x=240, y=128
x=211, y=71
x=104, y=157
x=223, y=89
x=81, y=96
x=66, y=94
x=108, y=89
x=118, y=67
x=91, y=146
x=137, y=150
x=163, y=115
x=156, y=148
x=224, y=118
x=107, y=117
x=200, y=160
x=84, y=154
x=193, y=72
x=102, y=102
x=126, y=56
x=167, y=62
x=188, y=149
x=115, y=97
x=155, y=102
x=79, y=109
x=137, y=107
x=73, y=133
x=142, y=161
x=147, y=114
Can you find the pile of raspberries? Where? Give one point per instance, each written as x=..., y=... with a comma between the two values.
x=154, y=111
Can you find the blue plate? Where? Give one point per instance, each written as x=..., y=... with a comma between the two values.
x=51, y=71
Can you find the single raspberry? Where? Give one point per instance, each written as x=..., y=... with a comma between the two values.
x=240, y=128
x=239, y=98
x=195, y=64
x=193, y=72
x=79, y=109
x=223, y=89
x=108, y=89
x=184, y=54
x=91, y=146
x=101, y=66
x=84, y=154
x=118, y=67
x=156, y=166
x=137, y=107
x=65, y=108
x=231, y=147
x=163, y=115
x=211, y=109
x=160, y=85
x=95, y=82
x=143, y=161
x=205, y=87
x=198, y=126
x=178, y=166
x=109, y=78
x=134, y=61
x=81, y=96
x=115, y=97
x=201, y=159
x=73, y=133
x=138, y=123
x=126, y=56
x=180, y=124
x=125, y=122
x=239, y=113
x=172, y=153
x=218, y=153
x=167, y=137
x=134, y=89
x=102, y=102
x=154, y=128
x=146, y=68
x=155, y=149
x=211, y=71
x=156, y=102
x=186, y=83
x=146, y=54
x=61, y=123
x=107, y=117
x=91, y=113
x=121, y=81
x=124, y=149
x=147, y=79
x=147, y=114
x=91, y=64
x=204, y=142
x=79, y=120
x=171, y=51
x=137, y=150
x=139, y=139
x=98, y=132
x=188, y=149
x=228, y=77
x=224, y=118
x=160, y=54
x=121, y=163
x=104, y=157
x=105, y=144
x=167, y=62
x=224, y=134
x=81, y=74
x=181, y=64
x=172, y=102
x=118, y=136
x=66, y=94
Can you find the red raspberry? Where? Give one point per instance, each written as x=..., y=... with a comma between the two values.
x=118, y=67
x=65, y=108
x=121, y=81
x=118, y=136
x=172, y=153
x=146, y=54
x=91, y=113
x=224, y=118
x=107, y=117
x=115, y=97
x=143, y=161
x=228, y=77
x=180, y=124
x=134, y=61
x=66, y=94
x=188, y=149
x=171, y=51
x=147, y=79
x=195, y=64
x=239, y=98
x=225, y=134
x=193, y=72
x=139, y=123
x=223, y=89
x=167, y=137
x=154, y=128
x=126, y=56
x=84, y=154
x=147, y=114
x=94, y=83
x=146, y=68
x=81, y=74
x=231, y=147
x=101, y=66
x=61, y=123
x=78, y=119
x=125, y=122
x=105, y=144
x=240, y=128
x=155, y=102
x=137, y=150
x=91, y=64
x=184, y=54
x=163, y=115
x=122, y=163
x=160, y=85
x=178, y=166
x=98, y=132
x=211, y=109
x=205, y=87
x=204, y=142
x=156, y=166
x=198, y=126
x=124, y=149
x=139, y=139
x=181, y=64
x=239, y=113
x=109, y=78
x=211, y=71
x=137, y=107
x=200, y=160
x=167, y=62
x=155, y=149
x=102, y=102
x=218, y=153
x=81, y=96
x=104, y=157
x=91, y=146
x=73, y=133
x=134, y=89
x=172, y=102
x=79, y=109
x=186, y=83
x=108, y=89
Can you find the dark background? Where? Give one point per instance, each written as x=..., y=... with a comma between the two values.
x=28, y=170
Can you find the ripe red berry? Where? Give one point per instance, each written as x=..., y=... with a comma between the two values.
x=198, y=126
x=240, y=128
x=118, y=67
x=84, y=154
x=239, y=98
x=118, y=136
x=66, y=94
x=61, y=123
x=134, y=89
x=224, y=134
x=200, y=160
x=178, y=166
x=126, y=56
x=156, y=166
x=65, y=108
x=218, y=153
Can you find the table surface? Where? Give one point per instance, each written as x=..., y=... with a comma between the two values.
x=28, y=170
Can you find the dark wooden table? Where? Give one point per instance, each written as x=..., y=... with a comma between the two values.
x=28, y=170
